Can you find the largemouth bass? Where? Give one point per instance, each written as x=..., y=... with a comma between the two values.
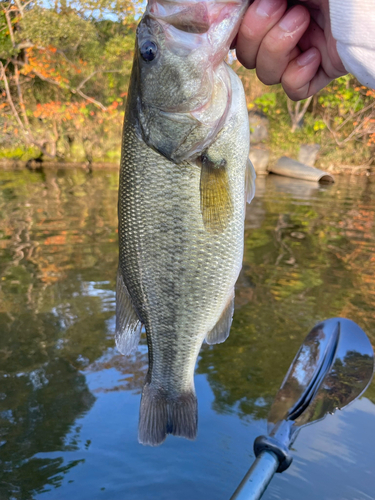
x=181, y=201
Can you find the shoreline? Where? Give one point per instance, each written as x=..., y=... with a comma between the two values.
x=38, y=165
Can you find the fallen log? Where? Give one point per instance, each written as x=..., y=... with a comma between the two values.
x=291, y=168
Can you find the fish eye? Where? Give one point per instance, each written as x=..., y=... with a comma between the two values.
x=148, y=51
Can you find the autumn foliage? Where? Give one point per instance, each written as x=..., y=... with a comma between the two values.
x=64, y=72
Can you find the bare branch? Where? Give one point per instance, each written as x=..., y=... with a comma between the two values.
x=25, y=45
x=86, y=80
x=26, y=4
x=357, y=114
x=95, y=73
x=20, y=7
x=294, y=112
x=327, y=124
x=10, y=100
x=305, y=108
x=9, y=23
x=355, y=132
x=25, y=132
x=20, y=98
x=78, y=43
x=90, y=99
x=59, y=84
x=297, y=106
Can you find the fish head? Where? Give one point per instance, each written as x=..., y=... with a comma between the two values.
x=169, y=60
x=180, y=47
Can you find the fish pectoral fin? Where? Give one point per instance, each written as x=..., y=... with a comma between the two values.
x=128, y=326
x=250, y=177
x=221, y=330
x=216, y=203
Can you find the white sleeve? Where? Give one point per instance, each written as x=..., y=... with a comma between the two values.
x=353, y=26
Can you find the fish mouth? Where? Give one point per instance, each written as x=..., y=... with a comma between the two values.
x=199, y=16
x=192, y=17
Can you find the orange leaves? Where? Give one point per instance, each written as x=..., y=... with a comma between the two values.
x=349, y=110
x=44, y=62
x=59, y=111
x=76, y=112
x=59, y=239
x=112, y=108
x=369, y=128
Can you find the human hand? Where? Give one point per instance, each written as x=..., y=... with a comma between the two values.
x=290, y=42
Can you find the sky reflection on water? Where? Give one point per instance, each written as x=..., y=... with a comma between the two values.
x=69, y=402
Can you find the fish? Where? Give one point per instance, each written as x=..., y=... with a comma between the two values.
x=184, y=181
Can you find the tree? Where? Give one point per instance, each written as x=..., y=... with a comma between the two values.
x=297, y=111
x=64, y=72
x=348, y=111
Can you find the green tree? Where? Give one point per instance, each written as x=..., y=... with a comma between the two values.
x=64, y=72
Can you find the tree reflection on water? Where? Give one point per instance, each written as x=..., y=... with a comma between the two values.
x=58, y=255
x=38, y=409
x=305, y=260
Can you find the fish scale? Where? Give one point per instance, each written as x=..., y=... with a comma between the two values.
x=177, y=268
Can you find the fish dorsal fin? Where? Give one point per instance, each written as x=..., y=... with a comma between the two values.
x=249, y=182
x=128, y=326
x=216, y=203
x=220, y=332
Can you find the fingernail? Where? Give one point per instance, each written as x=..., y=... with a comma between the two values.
x=306, y=58
x=290, y=23
x=267, y=7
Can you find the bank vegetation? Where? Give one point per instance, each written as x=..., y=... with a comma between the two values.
x=64, y=74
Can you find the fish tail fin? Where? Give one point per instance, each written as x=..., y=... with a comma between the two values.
x=153, y=416
x=183, y=416
x=161, y=414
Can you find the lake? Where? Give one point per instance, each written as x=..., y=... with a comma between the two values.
x=69, y=401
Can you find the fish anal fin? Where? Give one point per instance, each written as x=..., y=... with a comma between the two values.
x=216, y=203
x=250, y=177
x=221, y=330
x=161, y=414
x=128, y=326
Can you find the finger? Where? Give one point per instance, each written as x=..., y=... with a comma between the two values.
x=304, y=77
x=316, y=67
x=325, y=43
x=260, y=17
x=278, y=46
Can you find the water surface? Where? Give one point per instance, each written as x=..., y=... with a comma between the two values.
x=69, y=401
